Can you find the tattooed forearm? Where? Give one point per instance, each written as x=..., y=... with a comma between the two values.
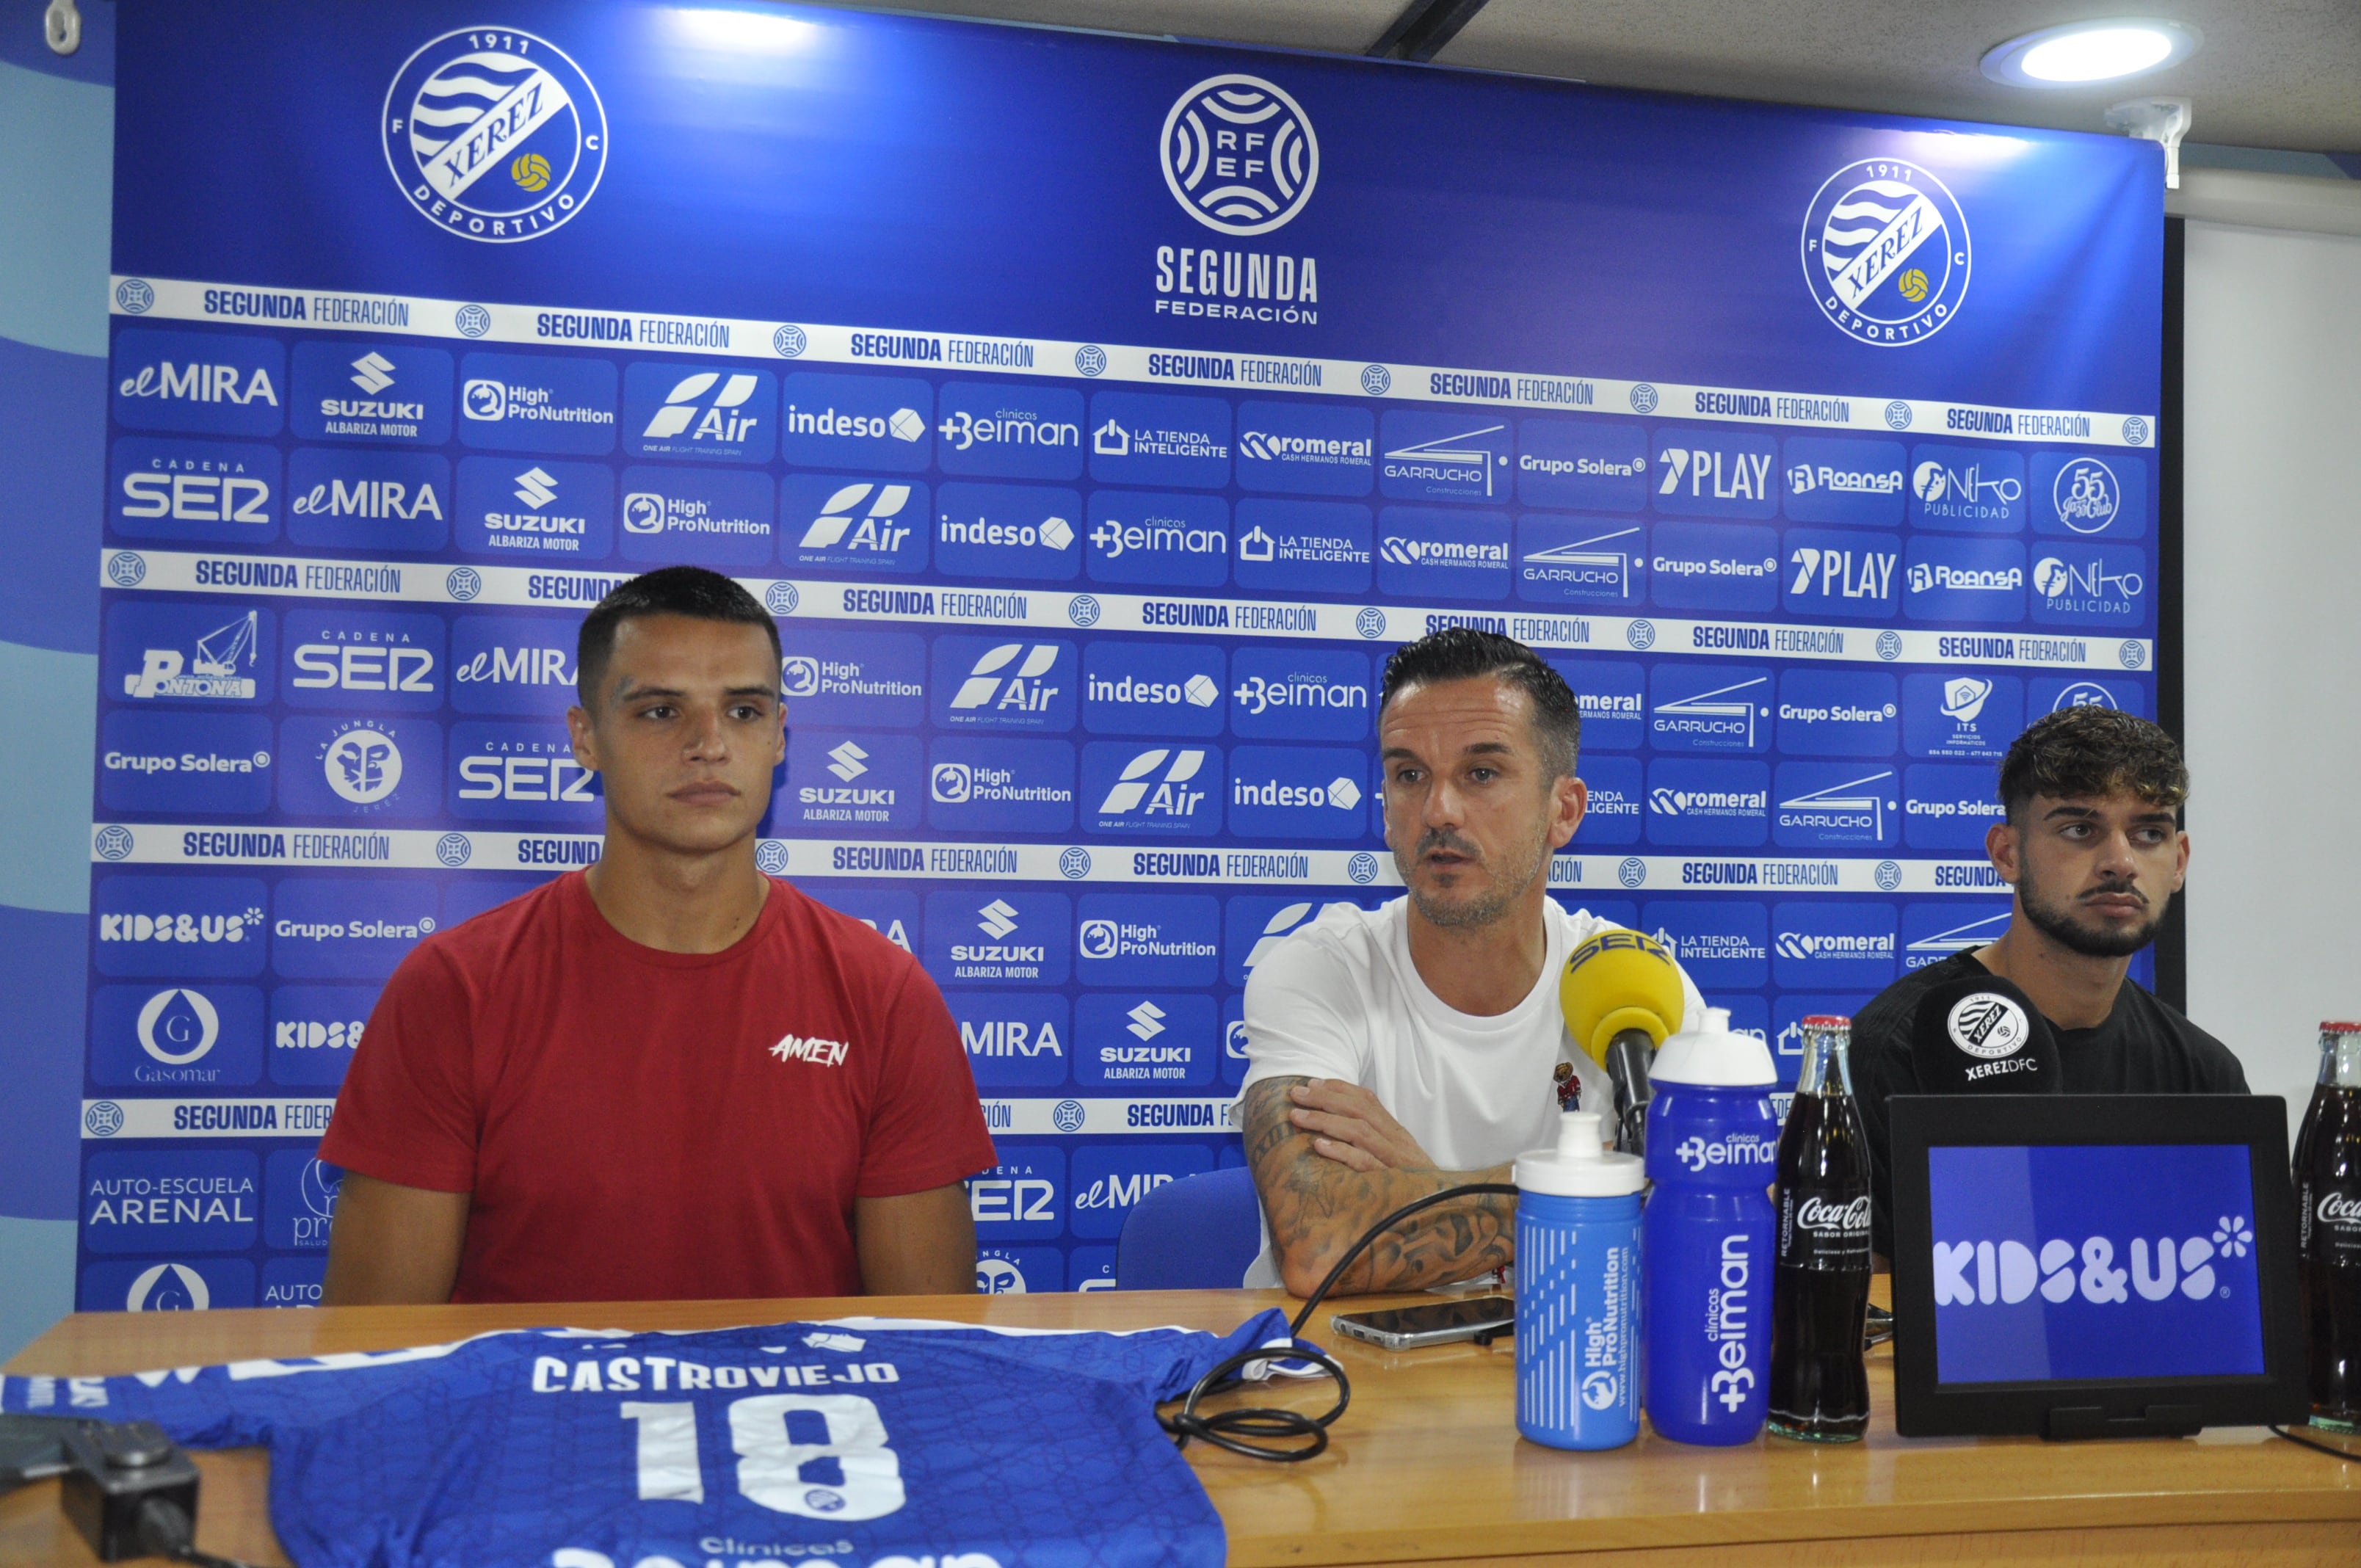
x=1317, y=1208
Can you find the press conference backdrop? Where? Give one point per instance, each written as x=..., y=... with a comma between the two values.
x=1096, y=415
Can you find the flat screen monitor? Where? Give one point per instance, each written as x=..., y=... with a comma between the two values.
x=2092, y=1264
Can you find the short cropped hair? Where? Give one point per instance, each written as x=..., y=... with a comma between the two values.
x=2089, y=752
x=1463, y=652
x=690, y=591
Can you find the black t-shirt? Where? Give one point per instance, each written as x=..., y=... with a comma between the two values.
x=2144, y=1047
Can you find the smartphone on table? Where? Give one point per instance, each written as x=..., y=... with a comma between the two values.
x=1430, y=1322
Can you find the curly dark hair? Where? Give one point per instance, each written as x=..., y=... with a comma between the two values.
x=1463, y=652
x=2093, y=751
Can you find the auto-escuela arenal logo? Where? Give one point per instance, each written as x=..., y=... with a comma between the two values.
x=494, y=134
x=1885, y=252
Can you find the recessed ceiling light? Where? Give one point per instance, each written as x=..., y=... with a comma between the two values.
x=2079, y=53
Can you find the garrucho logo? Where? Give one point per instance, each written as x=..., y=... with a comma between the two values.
x=1885, y=252
x=494, y=134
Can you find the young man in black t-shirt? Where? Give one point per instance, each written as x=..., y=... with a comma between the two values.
x=2091, y=844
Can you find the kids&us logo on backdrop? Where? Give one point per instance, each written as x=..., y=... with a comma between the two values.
x=494, y=134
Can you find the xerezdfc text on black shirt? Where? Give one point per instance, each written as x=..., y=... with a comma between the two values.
x=2145, y=1046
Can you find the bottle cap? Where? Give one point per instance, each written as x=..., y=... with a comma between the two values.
x=1581, y=1166
x=1712, y=1056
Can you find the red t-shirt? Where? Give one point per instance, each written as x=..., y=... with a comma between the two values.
x=638, y=1125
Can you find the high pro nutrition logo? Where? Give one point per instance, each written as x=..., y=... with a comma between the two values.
x=1239, y=154
x=1885, y=252
x=494, y=134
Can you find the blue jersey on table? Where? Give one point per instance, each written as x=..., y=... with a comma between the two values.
x=855, y=1441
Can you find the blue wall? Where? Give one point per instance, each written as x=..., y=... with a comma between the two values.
x=57, y=120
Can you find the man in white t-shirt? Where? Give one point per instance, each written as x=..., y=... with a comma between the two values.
x=1401, y=1050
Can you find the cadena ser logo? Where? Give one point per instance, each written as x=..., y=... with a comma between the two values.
x=494, y=134
x=1885, y=252
x=1239, y=155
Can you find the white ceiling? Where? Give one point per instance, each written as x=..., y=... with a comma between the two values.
x=2273, y=73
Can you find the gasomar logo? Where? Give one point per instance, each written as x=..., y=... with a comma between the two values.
x=1239, y=154
x=494, y=134
x=1885, y=252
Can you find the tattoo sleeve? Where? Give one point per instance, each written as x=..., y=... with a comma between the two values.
x=1318, y=1208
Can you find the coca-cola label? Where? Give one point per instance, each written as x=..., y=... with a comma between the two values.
x=1824, y=1230
x=2333, y=1226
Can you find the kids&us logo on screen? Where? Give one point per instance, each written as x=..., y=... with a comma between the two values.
x=494, y=134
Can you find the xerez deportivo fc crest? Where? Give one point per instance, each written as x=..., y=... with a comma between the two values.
x=1885, y=252
x=494, y=134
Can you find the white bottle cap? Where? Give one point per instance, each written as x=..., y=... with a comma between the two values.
x=1710, y=1056
x=1581, y=1166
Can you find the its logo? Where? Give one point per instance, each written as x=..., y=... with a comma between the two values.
x=362, y=765
x=1987, y=1026
x=875, y=527
x=1239, y=155
x=168, y=1287
x=1885, y=252
x=1964, y=697
x=494, y=134
x=2087, y=496
x=694, y=399
x=1154, y=786
x=179, y=1026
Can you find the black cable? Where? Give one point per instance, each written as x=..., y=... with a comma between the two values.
x=2344, y=1453
x=1229, y=1428
x=165, y=1529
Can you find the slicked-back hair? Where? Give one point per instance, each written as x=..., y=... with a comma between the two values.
x=1463, y=652
x=690, y=591
x=2081, y=751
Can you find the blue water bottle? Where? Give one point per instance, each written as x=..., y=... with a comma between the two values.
x=1578, y=1289
x=1713, y=1151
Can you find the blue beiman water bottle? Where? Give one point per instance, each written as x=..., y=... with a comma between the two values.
x=1707, y=1234
x=1578, y=1289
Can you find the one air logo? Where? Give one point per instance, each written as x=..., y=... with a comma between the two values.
x=371, y=372
x=1281, y=925
x=997, y=919
x=2010, y=1272
x=537, y=488
x=1155, y=784
x=1019, y=690
x=848, y=762
x=1147, y=1021
x=688, y=407
x=871, y=526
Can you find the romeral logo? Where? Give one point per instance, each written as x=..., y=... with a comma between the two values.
x=1822, y=944
x=1981, y=1272
x=494, y=134
x=1442, y=551
x=1702, y=803
x=1446, y=554
x=1967, y=488
x=707, y=407
x=1306, y=450
x=1885, y=252
x=219, y=664
x=1836, y=946
x=860, y=517
x=1666, y=801
x=1239, y=155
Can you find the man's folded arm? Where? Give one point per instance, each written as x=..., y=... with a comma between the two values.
x=1317, y=1205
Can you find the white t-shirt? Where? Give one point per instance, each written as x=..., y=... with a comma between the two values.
x=1340, y=998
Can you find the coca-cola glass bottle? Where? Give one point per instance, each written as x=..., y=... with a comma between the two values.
x=2328, y=1182
x=1819, y=1382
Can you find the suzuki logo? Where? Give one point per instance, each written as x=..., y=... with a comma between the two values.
x=535, y=489
x=371, y=372
x=998, y=920
x=1147, y=1020
x=848, y=762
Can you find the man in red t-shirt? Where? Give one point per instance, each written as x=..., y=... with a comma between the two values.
x=670, y=1075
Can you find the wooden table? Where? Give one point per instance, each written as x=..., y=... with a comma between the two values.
x=1427, y=1465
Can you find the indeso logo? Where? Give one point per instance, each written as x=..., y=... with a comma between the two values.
x=1239, y=155
x=493, y=134
x=1981, y=1273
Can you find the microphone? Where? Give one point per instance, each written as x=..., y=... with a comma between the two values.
x=1621, y=993
x=1981, y=1035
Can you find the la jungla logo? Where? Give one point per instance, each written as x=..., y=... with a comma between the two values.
x=1885, y=252
x=494, y=134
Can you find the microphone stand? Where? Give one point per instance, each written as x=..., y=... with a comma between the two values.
x=1628, y=1055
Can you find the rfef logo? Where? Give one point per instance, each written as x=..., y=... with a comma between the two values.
x=494, y=134
x=1885, y=252
x=1239, y=154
